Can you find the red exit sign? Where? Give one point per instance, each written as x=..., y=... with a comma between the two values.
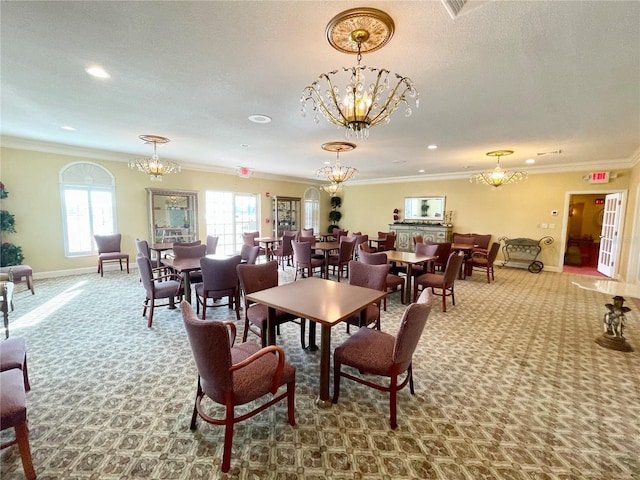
x=599, y=177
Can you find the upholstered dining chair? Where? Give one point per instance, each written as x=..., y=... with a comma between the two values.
x=219, y=279
x=161, y=287
x=427, y=249
x=368, y=276
x=13, y=414
x=233, y=375
x=441, y=284
x=249, y=239
x=339, y=262
x=393, y=281
x=142, y=246
x=442, y=252
x=249, y=254
x=417, y=239
x=190, y=251
x=304, y=262
x=212, y=244
x=379, y=353
x=13, y=354
x=480, y=261
x=254, y=278
x=187, y=244
x=285, y=249
x=109, y=251
x=359, y=240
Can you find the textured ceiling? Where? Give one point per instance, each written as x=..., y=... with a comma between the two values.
x=532, y=77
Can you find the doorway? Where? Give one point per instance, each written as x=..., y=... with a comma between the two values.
x=583, y=226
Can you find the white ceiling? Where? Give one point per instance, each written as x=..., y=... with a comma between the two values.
x=530, y=76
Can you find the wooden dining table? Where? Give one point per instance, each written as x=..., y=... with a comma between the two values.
x=159, y=248
x=322, y=301
x=268, y=243
x=467, y=249
x=326, y=248
x=186, y=266
x=409, y=259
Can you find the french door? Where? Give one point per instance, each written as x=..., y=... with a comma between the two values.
x=229, y=214
x=610, y=234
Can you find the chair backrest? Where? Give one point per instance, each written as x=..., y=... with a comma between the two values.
x=369, y=276
x=339, y=233
x=443, y=251
x=192, y=251
x=308, y=239
x=364, y=247
x=146, y=273
x=493, y=253
x=429, y=249
x=390, y=242
x=482, y=240
x=212, y=244
x=219, y=274
x=418, y=239
x=411, y=327
x=466, y=238
x=307, y=232
x=287, y=238
x=108, y=243
x=384, y=234
x=378, y=258
x=254, y=278
x=187, y=244
x=360, y=239
x=302, y=252
x=248, y=238
x=453, y=267
x=211, y=351
x=249, y=253
x=347, y=244
x=143, y=248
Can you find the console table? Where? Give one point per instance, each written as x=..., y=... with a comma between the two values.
x=430, y=233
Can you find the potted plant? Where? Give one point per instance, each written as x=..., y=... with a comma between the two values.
x=334, y=214
x=10, y=254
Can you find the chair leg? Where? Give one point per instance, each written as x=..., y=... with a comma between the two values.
x=336, y=378
x=151, y=307
x=410, y=373
x=402, y=294
x=194, y=415
x=228, y=438
x=22, y=438
x=127, y=264
x=393, y=398
x=30, y=284
x=303, y=328
x=291, y=403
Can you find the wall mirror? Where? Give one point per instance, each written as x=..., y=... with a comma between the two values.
x=424, y=208
x=173, y=215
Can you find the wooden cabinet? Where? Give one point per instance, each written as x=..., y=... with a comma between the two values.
x=286, y=215
x=173, y=215
x=430, y=233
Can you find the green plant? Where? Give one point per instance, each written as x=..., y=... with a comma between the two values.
x=336, y=202
x=7, y=222
x=10, y=254
x=335, y=216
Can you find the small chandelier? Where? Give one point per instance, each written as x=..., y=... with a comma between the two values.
x=498, y=177
x=155, y=167
x=358, y=107
x=337, y=173
x=332, y=189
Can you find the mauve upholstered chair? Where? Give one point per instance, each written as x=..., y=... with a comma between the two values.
x=393, y=281
x=249, y=254
x=13, y=354
x=285, y=250
x=304, y=261
x=233, y=375
x=219, y=279
x=109, y=251
x=197, y=250
x=378, y=353
x=157, y=287
x=13, y=414
x=441, y=284
x=212, y=244
x=480, y=261
x=368, y=276
x=339, y=262
x=254, y=278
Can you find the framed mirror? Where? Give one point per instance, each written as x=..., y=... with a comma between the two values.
x=430, y=209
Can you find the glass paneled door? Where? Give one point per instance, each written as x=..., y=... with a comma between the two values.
x=229, y=214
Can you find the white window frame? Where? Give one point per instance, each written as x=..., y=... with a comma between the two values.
x=311, y=201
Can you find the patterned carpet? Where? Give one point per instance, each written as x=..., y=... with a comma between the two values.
x=510, y=385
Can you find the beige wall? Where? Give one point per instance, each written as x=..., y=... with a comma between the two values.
x=513, y=211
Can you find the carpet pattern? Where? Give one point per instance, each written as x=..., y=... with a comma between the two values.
x=510, y=385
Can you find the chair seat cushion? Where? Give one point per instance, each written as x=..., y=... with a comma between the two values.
x=13, y=399
x=394, y=280
x=257, y=315
x=430, y=279
x=167, y=288
x=372, y=315
x=255, y=380
x=13, y=352
x=113, y=256
x=19, y=271
x=367, y=350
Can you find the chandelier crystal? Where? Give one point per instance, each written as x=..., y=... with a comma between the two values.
x=498, y=177
x=357, y=106
x=337, y=173
x=154, y=166
x=332, y=189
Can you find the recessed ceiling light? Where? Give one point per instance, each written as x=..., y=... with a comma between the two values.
x=244, y=145
x=398, y=161
x=432, y=147
x=67, y=127
x=530, y=161
x=421, y=170
x=259, y=118
x=97, y=71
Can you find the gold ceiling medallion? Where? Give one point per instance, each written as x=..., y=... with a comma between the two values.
x=336, y=174
x=498, y=177
x=363, y=102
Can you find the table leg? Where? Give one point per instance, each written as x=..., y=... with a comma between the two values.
x=326, y=264
x=271, y=326
x=323, y=400
x=408, y=292
x=312, y=336
x=187, y=286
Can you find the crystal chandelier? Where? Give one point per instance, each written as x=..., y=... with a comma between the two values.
x=498, y=177
x=155, y=167
x=337, y=173
x=358, y=107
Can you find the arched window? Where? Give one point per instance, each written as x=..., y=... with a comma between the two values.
x=88, y=206
x=312, y=209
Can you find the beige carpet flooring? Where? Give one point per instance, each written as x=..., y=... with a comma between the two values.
x=510, y=385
